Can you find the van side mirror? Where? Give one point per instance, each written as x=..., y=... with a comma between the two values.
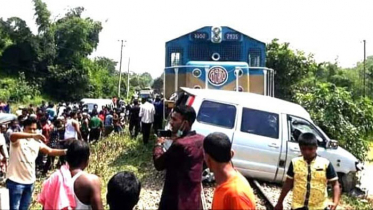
x=333, y=144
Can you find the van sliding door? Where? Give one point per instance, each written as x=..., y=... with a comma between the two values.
x=257, y=144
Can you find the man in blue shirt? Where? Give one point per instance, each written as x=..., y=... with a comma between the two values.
x=109, y=123
x=51, y=111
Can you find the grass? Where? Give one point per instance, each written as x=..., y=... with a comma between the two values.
x=355, y=203
x=112, y=155
x=36, y=101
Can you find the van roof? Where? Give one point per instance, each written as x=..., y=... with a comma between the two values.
x=257, y=101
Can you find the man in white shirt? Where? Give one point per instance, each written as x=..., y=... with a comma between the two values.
x=147, y=112
x=24, y=149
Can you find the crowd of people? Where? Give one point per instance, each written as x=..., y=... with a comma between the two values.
x=70, y=187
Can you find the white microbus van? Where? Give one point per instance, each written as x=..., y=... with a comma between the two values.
x=264, y=132
x=89, y=103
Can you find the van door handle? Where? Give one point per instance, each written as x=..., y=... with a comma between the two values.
x=274, y=145
x=294, y=149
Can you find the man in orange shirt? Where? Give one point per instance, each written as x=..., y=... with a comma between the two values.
x=233, y=190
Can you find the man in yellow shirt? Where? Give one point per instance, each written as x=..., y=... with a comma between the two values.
x=308, y=176
x=24, y=149
x=233, y=190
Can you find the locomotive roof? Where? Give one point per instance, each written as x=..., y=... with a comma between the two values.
x=210, y=27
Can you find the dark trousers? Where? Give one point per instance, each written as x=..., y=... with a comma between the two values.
x=146, y=131
x=40, y=161
x=49, y=164
x=157, y=123
x=85, y=135
x=134, y=124
x=94, y=134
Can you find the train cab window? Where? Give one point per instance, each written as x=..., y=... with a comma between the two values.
x=254, y=60
x=260, y=123
x=175, y=59
x=219, y=114
x=254, y=57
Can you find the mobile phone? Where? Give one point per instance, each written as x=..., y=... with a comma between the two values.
x=164, y=133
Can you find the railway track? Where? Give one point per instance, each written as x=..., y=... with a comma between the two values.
x=260, y=192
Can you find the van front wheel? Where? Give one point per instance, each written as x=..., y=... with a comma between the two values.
x=345, y=183
x=207, y=175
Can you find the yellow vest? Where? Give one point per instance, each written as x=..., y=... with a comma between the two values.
x=318, y=183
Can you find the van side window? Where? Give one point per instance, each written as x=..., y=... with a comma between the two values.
x=218, y=114
x=260, y=123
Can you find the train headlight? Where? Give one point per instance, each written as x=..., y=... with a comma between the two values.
x=197, y=72
x=216, y=35
x=238, y=71
x=216, y=31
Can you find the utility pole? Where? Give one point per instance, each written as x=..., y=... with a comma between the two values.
x=128, y=77
x=120, y=67
x=364, y=65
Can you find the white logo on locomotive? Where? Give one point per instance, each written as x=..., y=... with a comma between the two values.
x=218, y=76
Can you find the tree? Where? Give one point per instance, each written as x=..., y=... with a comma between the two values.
x=76, y=38
x=42, y=15
x=20, y=51
x=291, y=68
x=145, y=80
x=107, y=63
x=334, y=110
x=158, y=84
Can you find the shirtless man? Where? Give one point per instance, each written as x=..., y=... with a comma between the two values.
x=87, y=187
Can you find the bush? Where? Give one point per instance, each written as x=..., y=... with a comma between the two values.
x=333, y=109
x=17, y=90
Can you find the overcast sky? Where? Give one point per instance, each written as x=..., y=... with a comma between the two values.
x=328, y=29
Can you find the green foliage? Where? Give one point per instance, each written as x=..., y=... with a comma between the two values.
x=158, y=84
x=42, y=15
x=330, y=94
x=355, y=203
x=103, y=83
x=17, y=89
x=342, y=118
x=291, y=67
x=75, y=38
x=107, y=63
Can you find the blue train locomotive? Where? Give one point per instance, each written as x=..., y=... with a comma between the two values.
x=217, y=58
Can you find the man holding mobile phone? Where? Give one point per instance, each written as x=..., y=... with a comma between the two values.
x=183, y=162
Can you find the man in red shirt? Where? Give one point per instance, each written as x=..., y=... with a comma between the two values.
x=46, y=128
x=183, y=163
x=233, y=190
